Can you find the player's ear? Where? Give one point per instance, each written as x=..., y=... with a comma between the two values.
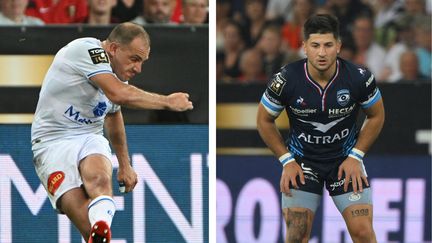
x=112, y=48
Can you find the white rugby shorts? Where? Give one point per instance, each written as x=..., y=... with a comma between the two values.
x=57, y=162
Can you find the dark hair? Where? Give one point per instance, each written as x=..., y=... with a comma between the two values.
x=321, y=24
x=125, y=33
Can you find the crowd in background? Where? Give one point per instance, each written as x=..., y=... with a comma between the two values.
x=255, y=38
x=102, y=12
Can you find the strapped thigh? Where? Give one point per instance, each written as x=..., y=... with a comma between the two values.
x=345, y=200
x=301, y=199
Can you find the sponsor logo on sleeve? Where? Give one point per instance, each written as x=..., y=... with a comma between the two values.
x=277, y=84
x=54, y=181
x=98, y=55
x=369, y=81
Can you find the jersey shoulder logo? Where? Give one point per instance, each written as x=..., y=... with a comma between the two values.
x=369, y=81
x=362, y=71
x=277, y=84
x=343, y=97
x=98, y=55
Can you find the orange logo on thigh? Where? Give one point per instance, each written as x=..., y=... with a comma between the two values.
x=54, y=181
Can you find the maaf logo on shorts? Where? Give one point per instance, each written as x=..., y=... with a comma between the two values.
x=98, y=55
x=277, y=84
x=54, y=181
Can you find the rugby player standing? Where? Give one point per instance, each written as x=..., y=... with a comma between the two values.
x=81, y=96
x=322, y=96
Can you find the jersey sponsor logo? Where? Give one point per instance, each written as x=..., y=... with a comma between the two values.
x=268, y=96
x=73, y=115
x=98, y=55
x=99, y=109
x=302, y=112
x=54, y=181
x=362, y=71
x=277, y=84
x=343, y=97
x=369, y=81
x=312, y=139
x=336, y=184
x=323, y=127
x=301, y=101
x=340, y=112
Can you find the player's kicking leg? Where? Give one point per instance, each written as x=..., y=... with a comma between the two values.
x=96, y=172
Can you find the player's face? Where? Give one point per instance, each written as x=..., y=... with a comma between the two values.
x=127, y=60
x=321, y=51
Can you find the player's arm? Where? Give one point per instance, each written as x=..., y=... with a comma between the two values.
x=115, y=130
x=269, y=132
x=130, y=96
x=273, y=139
x=369, y=132
x=372, y=126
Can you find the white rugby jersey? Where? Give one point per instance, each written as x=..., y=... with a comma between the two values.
x=70, y=103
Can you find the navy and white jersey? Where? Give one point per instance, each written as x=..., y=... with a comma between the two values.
x=322, y=120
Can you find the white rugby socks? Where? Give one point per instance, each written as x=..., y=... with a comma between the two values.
x=101, y=208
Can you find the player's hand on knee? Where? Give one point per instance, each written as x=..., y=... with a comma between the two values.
x=353, y=172
x=179, y=102
x=289, y=175
x=127, y=176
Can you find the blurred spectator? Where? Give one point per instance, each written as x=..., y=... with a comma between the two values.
x=279, y=10
x=423, y=42
x=404, y=40
x=13, y=13
x=194, y=11
x=221, y=77
x=58, y=11
x=177, y=15
x=270, y=44
x=292, y=30
x=388, y=11
x=347, y=11
x=415, y=7
x=368, y=53
x=347, y=50
x=254, y=20
x=156, y=12
x=223, y=14
x=233, y=47
x=251, y=67
x=100, y=12
x=409, y=67
x=126, y=10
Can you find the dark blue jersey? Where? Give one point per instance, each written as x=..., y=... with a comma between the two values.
x=322, y=120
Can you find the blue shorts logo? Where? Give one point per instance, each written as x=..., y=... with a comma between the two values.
x=100, y=109
x=343, y=97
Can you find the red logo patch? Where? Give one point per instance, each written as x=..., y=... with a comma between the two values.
x=54, y=181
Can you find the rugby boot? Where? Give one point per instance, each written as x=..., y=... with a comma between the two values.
x=100, y=233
